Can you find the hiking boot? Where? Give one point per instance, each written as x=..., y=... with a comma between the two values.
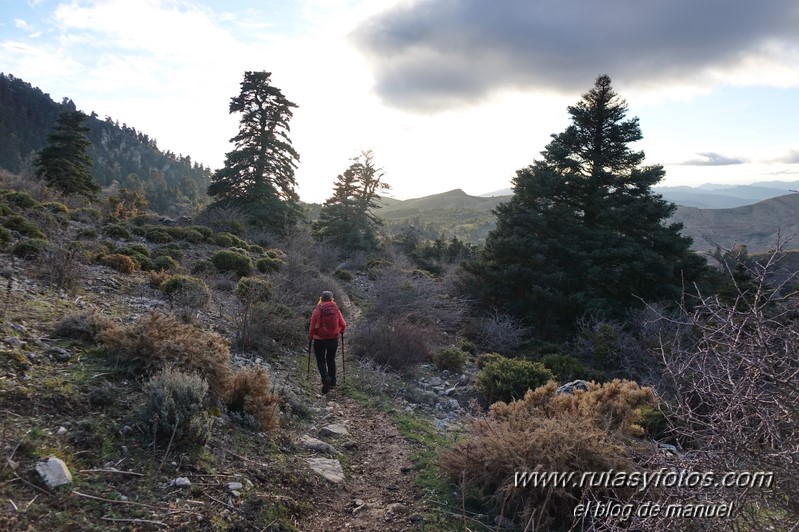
x=326, y=384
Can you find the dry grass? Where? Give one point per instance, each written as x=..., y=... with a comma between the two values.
x=157, y=341
x=547, y=432
x=86, y=325
x=251, y=392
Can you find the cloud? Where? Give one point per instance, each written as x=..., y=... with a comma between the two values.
x=713, y=159
x=792, y=157
x=431, y=54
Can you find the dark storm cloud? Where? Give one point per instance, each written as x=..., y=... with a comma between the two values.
x=432, y=53
x=713, y=159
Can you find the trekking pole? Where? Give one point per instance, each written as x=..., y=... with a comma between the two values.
x=310, y=342
x=343, y=364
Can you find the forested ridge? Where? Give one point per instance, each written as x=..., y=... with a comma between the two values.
x=171, y=183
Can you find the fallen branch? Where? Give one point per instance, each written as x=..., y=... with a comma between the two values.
x=79, y=494
x=118, y=520
x=111, y=471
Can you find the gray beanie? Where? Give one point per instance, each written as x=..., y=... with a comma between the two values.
x=327, y=296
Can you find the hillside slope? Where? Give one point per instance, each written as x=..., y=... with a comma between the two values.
x=758, y=226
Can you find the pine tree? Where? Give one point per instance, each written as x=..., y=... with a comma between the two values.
x=347, y=220
x=64, y=162
x=259, y=173
x=584, y=233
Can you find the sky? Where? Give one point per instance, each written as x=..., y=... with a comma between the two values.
x=446, y=93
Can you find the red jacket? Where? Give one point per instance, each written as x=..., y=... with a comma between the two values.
x=332, y=314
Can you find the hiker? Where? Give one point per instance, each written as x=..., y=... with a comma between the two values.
x=327, y=324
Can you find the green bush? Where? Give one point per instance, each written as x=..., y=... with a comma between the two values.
x=652, y=420
x=203, y=266
x=255, y=248
x=29, y=248
x=20, y=199
x=186, y=291
x=23, y=226
x=170, y=250
x=268, y=264
x=450, y=358
x=468, y=346
x=157, y=235
x=89, y=233
x=164, y=262
x=487, y=358
x=230, y=261
x=140, y=255
x=344, y=275
x=507, y=379
x=567, y=368
x=117, y=232
x=175, y=409
x=253, y=290
x=132, y=249
x=206, y=232
x=5, y=237
x=223, y=241
x=229, y=240
x=56, y=207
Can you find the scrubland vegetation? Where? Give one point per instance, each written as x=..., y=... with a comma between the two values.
x=584, y=338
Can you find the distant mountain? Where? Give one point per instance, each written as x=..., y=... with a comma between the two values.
x=454, y=199
x=757, y=225
x=448, y=214
x=119, y=153
x=721, y=196
x=711, y=196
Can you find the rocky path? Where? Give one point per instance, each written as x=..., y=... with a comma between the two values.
x=377, y=492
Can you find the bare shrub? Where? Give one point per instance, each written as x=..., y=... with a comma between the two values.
x=278, y=323
x=251, y=392
x=186, y=294
x=370, y=377
x=175, y=408
x=419, y=299
x=61, y=263
x=730, y=377
x=615, y=349
x=228, y=218
x=496, y=332
x=544, y=432
x=157, y=341
x=86, y=325
x=397, y=344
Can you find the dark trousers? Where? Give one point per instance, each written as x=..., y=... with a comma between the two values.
x=325, y=351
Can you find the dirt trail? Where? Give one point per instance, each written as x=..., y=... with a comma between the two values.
x=378, y=492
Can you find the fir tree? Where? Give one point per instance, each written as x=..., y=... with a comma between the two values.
x=259, y=173
x=347, y=220
x=584, y=233
x=64, y=162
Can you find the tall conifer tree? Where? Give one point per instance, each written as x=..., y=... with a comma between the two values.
x=65, y=162
x=259, y=173
x=347, y=219
x=584, y=233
